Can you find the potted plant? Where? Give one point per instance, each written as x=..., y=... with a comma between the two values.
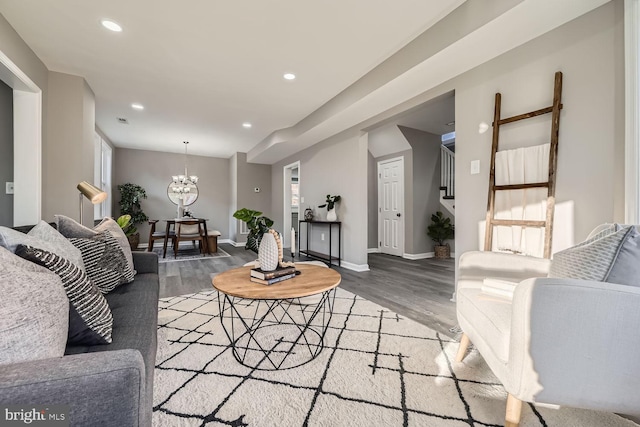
x=330, y=204
x=257, y=225
x=440, y=230
x=130, y=197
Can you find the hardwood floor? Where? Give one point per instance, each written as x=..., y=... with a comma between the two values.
x=420, y=290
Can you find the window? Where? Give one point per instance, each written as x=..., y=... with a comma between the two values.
x=102, y=175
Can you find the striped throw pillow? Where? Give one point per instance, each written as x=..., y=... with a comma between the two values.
x=90, y=319
x=104, y=261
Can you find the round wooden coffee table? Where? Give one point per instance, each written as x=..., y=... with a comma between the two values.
x=276, y=327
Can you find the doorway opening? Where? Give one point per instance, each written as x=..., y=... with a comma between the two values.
x=291, y=208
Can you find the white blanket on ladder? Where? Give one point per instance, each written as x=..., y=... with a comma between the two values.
x=521, y=166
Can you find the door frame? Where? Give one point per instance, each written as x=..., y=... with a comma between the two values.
x=632, y=108
x=402, y=224
x=286, y=215
x=27, y=143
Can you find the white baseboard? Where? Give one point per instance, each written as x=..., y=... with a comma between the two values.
x=225, y=241
x=354, y=267
x=414, y=257
x=236, y=244
x=373, y=250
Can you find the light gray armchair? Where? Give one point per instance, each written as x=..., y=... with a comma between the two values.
x=559, y=341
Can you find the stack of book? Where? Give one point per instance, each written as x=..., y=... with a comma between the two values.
x=271, y=277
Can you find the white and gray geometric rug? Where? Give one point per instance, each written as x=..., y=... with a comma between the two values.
x=377, y=369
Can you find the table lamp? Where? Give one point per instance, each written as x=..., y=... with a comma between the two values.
x=91, y=192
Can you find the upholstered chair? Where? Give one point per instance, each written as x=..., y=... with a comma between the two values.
x=158, y=235
x=560, y=341
x=189, y=229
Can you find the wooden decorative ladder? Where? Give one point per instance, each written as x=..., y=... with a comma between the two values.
x=550, y=184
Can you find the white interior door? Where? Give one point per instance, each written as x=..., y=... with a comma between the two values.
x=391, y=206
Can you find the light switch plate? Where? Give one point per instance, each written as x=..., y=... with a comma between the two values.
x=301, y=199
x=475, y=167
x=9, y=187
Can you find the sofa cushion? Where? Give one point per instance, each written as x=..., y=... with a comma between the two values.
x=42, y=236
x=488, y=315
x=592, y=259
x=104, y=261
x=135, y=319
x=35, y=312
x=90, y=319
x=69, y=227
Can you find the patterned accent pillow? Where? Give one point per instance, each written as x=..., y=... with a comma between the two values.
x=104, y=261
x=592, y=259
x=90, y=319
x=69, y=228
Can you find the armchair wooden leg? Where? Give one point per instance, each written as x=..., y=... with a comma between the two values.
x=514, y=410
x=462, y=350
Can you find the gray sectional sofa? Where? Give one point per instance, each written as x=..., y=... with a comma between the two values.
x=104, y=385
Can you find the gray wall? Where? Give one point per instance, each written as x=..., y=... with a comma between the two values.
x=372, y=203
x=69, y=154
x=248, y=177
x=6, y=153
x=153, y=170
x=234, y=227
x=12, y=45
x=589, y=51
x=338, y=167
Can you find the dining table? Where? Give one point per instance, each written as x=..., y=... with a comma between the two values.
x=172, y=223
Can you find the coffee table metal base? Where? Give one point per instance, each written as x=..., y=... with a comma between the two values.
x=276, y=334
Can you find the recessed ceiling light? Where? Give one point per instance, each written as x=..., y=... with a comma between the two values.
x=246, y=125
x=137, y=106
x=110, y=25
x=289, y=76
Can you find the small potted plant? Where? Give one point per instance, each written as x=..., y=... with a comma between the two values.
x=130, y=197
x=330, y=204
x=440, y=230
x=257, y=225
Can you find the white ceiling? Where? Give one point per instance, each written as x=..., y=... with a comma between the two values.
x=203, y=70
x=433, y=116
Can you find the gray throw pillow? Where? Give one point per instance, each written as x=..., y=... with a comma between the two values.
x=35, y=313
x=42, y=236
x=104, y=261
x=90, y=319
x=626, y=267
x=615, y=258
x=69, y=228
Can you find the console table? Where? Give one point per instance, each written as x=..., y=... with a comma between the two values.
x=330, y=258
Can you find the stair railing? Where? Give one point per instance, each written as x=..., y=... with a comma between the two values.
x=447, y=171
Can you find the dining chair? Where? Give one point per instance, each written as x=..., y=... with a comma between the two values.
x=189, y=229
x=159, y=235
